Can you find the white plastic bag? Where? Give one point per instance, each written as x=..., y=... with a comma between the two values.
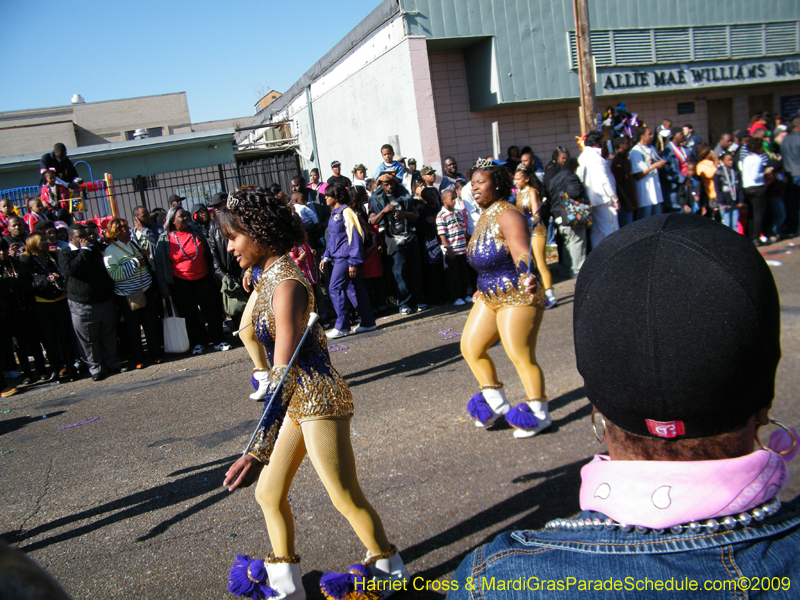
x=176, y=340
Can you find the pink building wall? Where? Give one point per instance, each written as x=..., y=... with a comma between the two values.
x=468, y=135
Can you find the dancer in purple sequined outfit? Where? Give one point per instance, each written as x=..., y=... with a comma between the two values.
x=309, y=414
x=508, y=306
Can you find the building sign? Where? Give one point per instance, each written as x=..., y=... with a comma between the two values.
x=701, y=75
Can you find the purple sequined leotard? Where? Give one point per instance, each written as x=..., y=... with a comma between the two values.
x=498, y=276
x=321, y=393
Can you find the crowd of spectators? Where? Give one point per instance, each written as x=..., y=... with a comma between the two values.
x=395, y=240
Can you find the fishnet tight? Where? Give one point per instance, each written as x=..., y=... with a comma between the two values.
x=517, y=327
x=248, y=336
x=327, y=442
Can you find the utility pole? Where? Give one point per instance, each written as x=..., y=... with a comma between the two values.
x=588, y=108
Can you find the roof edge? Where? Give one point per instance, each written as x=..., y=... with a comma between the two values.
x=380, y=15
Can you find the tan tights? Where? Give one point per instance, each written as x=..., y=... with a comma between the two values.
x=539, y=244
x=254, y=348
x=517, y=327
x=327, y=442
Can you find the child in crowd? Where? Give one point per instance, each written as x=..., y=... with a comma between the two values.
x=417, y=191
x=360, y=175
x=308, y=216
x=389, y=164
x=453, y=235
x=36, y=213
x=6, y=212
x=730, y=194
x=461, y=208
x=304, y=256
x=62, y=232
x=689, y=192
x=54, y=195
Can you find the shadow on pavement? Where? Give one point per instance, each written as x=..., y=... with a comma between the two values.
x=426, y=361
x=555, y=497
x=162, y=496
x=10, y=425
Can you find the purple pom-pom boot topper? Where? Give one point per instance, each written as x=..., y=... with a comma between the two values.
x=522, y=417
x=248, y=578
x=348, y=586
x=479, y=409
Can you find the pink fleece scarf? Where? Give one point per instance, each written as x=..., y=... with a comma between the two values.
x=660, y=494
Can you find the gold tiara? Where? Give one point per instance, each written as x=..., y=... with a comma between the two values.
x=233, y=201
x=483, y=163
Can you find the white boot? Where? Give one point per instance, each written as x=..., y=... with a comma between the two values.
x=286, y=579
x=388, y=569
x=262, y=378
x=541, y=411
x=496, y=399
x=550, y=298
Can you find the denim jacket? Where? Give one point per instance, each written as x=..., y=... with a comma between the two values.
x=734, y=564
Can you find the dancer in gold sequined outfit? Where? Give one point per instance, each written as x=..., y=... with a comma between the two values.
x=508, y=305
x=311, y=412
x=530, y=201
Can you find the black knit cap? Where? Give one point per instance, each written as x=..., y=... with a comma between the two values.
x=677, y=328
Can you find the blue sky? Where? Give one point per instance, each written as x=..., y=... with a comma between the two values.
x=220, y=53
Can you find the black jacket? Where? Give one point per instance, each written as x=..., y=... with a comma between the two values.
x=224, y=262
x=563, y=182
x=16, y=288
x=64, y=168
x=88, y=281
x=40, y=271
x=316, y=232
x=164, y=273
x=724, y=195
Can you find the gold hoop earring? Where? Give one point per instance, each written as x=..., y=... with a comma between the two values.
x=786, y=429
x=605, y=431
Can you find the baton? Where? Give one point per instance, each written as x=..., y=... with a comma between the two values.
x=312, y=319
x=238, y=331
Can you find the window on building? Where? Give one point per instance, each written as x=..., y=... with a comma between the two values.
x=664, y=45
x=129, y=134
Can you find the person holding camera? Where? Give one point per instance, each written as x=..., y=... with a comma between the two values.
x=391, y=207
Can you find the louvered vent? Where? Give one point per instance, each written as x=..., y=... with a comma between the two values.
x=633, y=46
x=626, y=47
x=573, y=51
x=747, y=41
x=601, y=49
x=781, y=38
x=710, y=43
x=673, y=45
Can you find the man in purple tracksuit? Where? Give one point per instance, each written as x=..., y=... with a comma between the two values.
x=346, y=250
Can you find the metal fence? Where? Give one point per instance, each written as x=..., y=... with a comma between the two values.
x=199, y=185
x=196, y=185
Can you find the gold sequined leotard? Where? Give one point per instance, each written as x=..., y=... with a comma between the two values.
x=525, y=204
x=499, y=279
x=321, y=393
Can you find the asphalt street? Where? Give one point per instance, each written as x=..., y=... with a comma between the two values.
x=129, y=503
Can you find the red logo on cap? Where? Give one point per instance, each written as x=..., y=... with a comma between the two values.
x=665, y=429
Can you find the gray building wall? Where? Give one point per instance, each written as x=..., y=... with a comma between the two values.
x=36, y=130
x=24, y=139
x=98, y=122
x=528, y=58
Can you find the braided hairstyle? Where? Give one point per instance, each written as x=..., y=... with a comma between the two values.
x=270, y=222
